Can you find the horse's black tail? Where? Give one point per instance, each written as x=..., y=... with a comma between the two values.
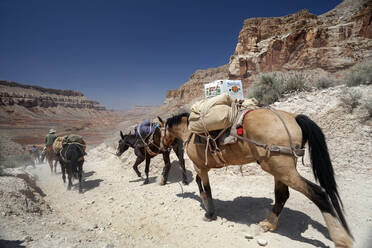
x=321, y=163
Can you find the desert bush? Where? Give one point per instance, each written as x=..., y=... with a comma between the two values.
x=351, y=99
x=273, y=86
x=267, y=90
x=367, y=105
x=293, y=82
x=13, y=161
x=360, y=74
x=323, y=83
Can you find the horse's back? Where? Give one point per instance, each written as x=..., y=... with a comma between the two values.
x=266, y=126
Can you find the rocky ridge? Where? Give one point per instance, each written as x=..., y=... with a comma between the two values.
x=194, y=87
x=303, y=41
x=29, y=96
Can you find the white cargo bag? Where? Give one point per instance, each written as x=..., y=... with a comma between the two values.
x=233, y=88
x=212, y=114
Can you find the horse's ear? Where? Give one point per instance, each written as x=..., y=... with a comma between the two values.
x=161, y=121
x=121, y=135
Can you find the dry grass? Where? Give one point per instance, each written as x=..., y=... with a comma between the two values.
x=350, y=99
x=359, y=74
x=368, y=107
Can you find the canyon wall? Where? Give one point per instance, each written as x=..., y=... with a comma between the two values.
x=303, y=41
x=30, y=96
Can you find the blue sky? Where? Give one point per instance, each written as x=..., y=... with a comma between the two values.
x=125, y=53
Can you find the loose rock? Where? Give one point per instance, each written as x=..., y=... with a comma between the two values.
x=262, y=242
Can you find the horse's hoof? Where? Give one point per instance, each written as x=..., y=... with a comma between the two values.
x=162, y=182
x=267, y=226
x=146, y=181
x=185, y=182
x=209, y=217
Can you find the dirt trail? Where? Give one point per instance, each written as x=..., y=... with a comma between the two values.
x=117, y=209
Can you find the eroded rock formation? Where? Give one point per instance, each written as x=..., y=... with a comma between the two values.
x=30, y=96
x=194, y=87
x=333, y=41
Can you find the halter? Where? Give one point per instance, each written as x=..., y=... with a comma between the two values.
x=169, y=145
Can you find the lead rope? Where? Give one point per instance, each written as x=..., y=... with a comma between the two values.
x=217, y=150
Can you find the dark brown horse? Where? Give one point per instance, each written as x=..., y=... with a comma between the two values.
x=153, y=148
x=71, y=159
x=266, y=126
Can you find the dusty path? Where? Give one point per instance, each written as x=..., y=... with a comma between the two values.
x=117, y=210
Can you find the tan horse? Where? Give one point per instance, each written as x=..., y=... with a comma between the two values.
x=51, y=157
x=265, y=127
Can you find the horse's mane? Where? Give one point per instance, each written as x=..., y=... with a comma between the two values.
x=176, y=119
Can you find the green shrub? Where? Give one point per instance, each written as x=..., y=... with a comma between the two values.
x=350, y=98
x=368, y=107
x=294, y=82
x=273, y=86
x=267, y=90
x=360, y=74
x=323, y=83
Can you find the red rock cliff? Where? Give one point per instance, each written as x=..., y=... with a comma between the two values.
x=333, y=41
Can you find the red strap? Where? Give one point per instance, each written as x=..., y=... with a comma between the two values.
x=239, y=130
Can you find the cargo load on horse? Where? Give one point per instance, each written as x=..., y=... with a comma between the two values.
x=58, y=144
x=219, y=117
x=145, y=129
x=212, y=114
x=68, y=139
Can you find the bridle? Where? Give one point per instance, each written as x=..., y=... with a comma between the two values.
x=166, y=141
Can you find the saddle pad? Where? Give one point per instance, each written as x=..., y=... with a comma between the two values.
x=144, y=129
x=227, y=137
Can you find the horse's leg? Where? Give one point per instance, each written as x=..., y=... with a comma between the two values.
x=316, y=194
x=179, y=152
x=167, y=166
x=281, y=196
x=50, y=162
x=55, y=166
x=135, y=166
x=69, y=174
x=80, y=173
x=203, y=196
x=206, y=195
x=63, y=169
x=147, y=169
